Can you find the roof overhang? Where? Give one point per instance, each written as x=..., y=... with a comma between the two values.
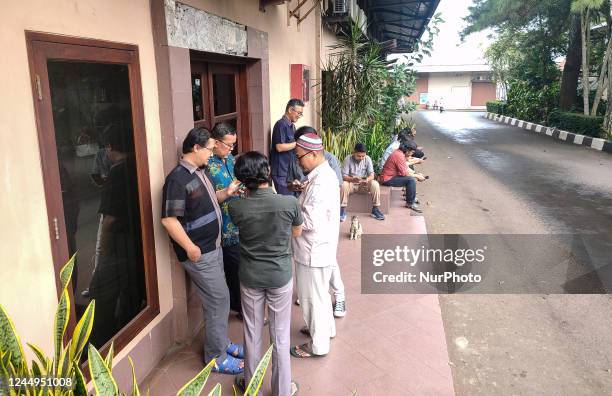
x=401, y=20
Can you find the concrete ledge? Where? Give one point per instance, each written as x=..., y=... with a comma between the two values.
x=362, y=202
x=581, y=140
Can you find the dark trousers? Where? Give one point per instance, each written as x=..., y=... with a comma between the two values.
x=280, y=184
x=404, y=181
x=231, y=262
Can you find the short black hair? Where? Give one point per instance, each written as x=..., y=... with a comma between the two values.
x=292, y=103
x=408, y=146
x=252, y=169
x=118, y=140
x=360, y=148
x=303, y=131
x=403, y=135
x=221, y=129
x=197, y=135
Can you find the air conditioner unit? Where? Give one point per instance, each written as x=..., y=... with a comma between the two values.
x=340, y=6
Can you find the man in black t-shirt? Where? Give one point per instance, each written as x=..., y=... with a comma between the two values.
x=192, y=217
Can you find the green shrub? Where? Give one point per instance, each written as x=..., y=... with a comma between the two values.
x=529, y=103
x=581, y=124
x=496, y=106
x=554, y=117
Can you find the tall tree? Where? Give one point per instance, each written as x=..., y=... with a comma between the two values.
x=585, y=8
x=571, y=69
x=545, y=24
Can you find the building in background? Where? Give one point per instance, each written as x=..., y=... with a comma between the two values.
x=458, y=87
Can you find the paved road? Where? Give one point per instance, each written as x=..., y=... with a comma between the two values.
x=489, y=178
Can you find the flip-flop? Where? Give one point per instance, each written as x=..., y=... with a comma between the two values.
x=306, y=351
x=296, y=390
x=236, y=350
x=230, y=365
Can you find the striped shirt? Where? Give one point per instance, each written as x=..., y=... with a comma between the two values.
x=189, y=196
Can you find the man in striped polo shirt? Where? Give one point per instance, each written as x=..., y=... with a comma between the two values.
x=192, y=217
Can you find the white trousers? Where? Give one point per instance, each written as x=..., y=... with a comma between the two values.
x=315, y=301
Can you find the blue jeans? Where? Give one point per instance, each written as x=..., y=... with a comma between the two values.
x=404, y=181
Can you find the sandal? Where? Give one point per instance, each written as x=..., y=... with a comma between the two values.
x=303, y=351
x=236, y=350
x=230, y=365
x=295, y=388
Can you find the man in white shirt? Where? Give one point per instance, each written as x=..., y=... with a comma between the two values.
x=314, y=252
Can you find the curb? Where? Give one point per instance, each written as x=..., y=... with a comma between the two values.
x=588, y=141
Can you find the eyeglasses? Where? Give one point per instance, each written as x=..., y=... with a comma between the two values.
x=299, y=157
x=209, y=149
x=229, y=146
x=299, y=113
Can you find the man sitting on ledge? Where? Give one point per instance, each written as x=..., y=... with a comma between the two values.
x=358, y=175
x=397, y=173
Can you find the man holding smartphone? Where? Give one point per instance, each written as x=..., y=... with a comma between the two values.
x=358, y=174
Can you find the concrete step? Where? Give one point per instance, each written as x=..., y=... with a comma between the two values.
x=362, y=202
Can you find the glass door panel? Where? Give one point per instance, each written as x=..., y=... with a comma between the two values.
x=92, y=119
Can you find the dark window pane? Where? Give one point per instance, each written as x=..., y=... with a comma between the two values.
x=196, y=94
x=95, y=149
x=224, y=92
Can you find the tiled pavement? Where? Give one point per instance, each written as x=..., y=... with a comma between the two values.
x=386, y=345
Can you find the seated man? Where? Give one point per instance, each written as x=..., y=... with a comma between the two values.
x=403, y=136
x=396, y=173
x=358, y=175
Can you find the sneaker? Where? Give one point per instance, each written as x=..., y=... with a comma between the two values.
x=342, y=214
x=414, y=207
x=377, y=214
x=340, y=309
x=416, y=200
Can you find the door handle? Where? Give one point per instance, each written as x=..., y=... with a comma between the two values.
x=56, y=229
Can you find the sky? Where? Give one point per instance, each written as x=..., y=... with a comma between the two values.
x=447, y=48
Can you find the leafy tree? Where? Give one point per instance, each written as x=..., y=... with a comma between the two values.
x=537, y=30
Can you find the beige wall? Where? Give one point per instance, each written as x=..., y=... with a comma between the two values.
x=286, y=44
x=28, y=280
x=453, y=88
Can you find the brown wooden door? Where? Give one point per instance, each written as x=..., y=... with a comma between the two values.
x=92, y=143
x=219, y=95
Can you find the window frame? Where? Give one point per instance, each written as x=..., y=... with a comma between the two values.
x=42, y=47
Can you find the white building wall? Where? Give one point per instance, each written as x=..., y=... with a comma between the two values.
x=454, y=89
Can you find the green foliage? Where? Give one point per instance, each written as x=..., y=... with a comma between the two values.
x=578, y=123
x=196, y=385
x=65, y=363
x=65, y=359
x=424, y=46
x=354, y=79
x=253, y=388
x=528, y=103
x=497, y=107
x=376, y=142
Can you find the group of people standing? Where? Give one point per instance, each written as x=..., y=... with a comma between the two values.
x=238, y=225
